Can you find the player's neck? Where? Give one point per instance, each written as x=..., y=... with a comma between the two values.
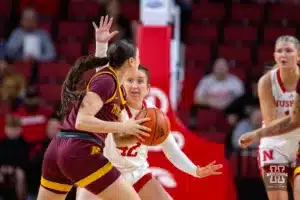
x=289, y=75
x=136, y=106
x=120, y=74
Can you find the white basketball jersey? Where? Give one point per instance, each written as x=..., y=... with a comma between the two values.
x=131, y=158
x=284, y=101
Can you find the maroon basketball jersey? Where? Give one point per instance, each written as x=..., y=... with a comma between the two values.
x=106, y=84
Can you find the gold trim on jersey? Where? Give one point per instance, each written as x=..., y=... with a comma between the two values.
x=55, y=186
x=296, y=171
x=95, y=176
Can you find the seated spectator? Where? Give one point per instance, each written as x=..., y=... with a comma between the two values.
x=12, y=87
x=121, y=23
x=37, y=155
x=13, y=161
x=246, y=125
x=241, y=107
x=218, y=89
x=28, y=42
x=34, y=116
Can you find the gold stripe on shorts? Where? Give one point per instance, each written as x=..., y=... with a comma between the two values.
x=94, y=176
x=297, y=171
x=55, y=186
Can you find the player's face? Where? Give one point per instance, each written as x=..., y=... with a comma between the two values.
x=286, y=54
x=136, y=87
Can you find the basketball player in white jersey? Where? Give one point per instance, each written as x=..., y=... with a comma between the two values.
x=277, y=154
x=130, y=156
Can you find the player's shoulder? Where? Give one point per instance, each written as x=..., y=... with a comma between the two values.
x=265, y=80
x=149, y=104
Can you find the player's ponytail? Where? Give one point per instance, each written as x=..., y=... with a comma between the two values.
x=70, y=92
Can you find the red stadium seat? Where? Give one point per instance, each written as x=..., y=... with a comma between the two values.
x=272, y=33
x=48, y=8
x=5, y=9
x=247, y=13
x=91, y=48
x=284, y=14
x=203, y=32
x=239, y=72
x=70, y=51
x=208, y=12
x=82, y=10
x=53, y=72
x=131, y=10
x=236, y=54
x=193, y=73
x=265, y=53
x=50, y=92
x=23, y=68
x=74, y=31
x=198, y=52
x=207, y=119
x=47, y=26
x=239, y=34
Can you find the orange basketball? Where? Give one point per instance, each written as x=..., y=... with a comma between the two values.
x=159, y=124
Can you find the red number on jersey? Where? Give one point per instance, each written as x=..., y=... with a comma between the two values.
x=129, y=152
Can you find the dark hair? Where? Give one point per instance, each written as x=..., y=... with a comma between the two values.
x=117, y=54
x=146, y=71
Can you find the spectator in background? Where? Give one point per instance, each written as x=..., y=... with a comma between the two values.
x=121, y=22
x=34, y=116
x=13, y=161
x=37, y=155
x=218, y=89
x=246, y=125
x=12, y=87
x=241, y=107
x=28, y=42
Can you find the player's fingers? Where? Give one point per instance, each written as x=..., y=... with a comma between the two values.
x=140, y=132
x=95, y=26
x=216, y=173
x=105, y=21
x=113, y=34
x=139, y=137
x=210, y=164
x=216, y=167
x=144, y=128
x=140, y=121
x=110, y=22
x=101, y=22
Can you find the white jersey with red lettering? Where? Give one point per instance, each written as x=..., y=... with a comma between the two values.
x=282, y=148
x=132, y=160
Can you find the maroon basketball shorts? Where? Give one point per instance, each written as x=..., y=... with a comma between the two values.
x=297, y=169
x=74, y=158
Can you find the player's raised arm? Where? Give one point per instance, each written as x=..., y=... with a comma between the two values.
x=278, y=127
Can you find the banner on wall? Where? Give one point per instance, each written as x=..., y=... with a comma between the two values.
x=154, y=46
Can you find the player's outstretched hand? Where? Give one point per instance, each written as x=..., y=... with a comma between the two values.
x=102, y=33
x=209, y=170
x=247, y=139
x=134, y=127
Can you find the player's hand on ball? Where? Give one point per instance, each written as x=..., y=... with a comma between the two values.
x=247, y=139
x=102, y=33
x=209, y=170
x=134, y=127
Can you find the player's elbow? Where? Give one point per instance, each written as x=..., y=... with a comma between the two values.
x=79, y=123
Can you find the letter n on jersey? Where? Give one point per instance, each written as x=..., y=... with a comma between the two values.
x=268, y=155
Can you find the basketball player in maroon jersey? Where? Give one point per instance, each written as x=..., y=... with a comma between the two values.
x=75, y=156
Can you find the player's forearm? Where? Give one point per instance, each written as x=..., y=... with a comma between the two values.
x=92, y=124
x=177, y=157
x=101, y=49
x=277, y=127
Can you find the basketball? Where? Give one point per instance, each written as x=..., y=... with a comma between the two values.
x=159, y=125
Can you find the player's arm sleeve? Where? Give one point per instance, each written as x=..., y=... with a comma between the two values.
x=177, y=157
x=104, y=86
x=100, y=52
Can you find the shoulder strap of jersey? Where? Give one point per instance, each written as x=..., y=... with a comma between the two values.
x=274, y=82
x=116, y=81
